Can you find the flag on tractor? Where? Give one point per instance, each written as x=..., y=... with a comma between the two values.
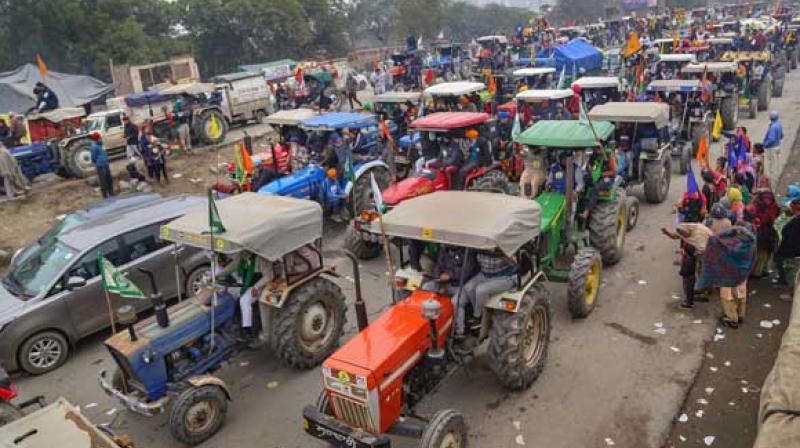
x=349, y=170
x=691, y=183
x=298, y=76
x=214, y=220
x=716, y=130
x=516, y=129
x=376, y=192
x=702, y=151
x=385, y=131
x=633, y=46
x=116, y=283
x=562, y=78
x=492, y=84
x=42, y=66
x=244, y=165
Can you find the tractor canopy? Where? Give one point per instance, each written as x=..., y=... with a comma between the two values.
x=745, y=56
x=677, y=57
x=446, y=121
x=397, y=97
x=457, y=88
x=598, y=82
x=711, y=67
x=449, y=217
x=533, y=71
x=195, y=88
x=268, y=226
x=333, y=121
x=537, y=96
x=290, y=117
x=656, y=113
x=565, y=134
x=675, y=85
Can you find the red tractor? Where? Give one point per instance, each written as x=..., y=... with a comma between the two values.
x=373, y=383
x=434, y=176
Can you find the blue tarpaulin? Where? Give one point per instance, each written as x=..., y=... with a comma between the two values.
x=574, y=55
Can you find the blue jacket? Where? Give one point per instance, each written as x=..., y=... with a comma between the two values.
x=774, y=135
x=99, y=156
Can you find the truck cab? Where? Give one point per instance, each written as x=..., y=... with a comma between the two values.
x=110, y=126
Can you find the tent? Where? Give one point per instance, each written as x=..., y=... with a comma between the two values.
x=16, y=88
x=575, y=55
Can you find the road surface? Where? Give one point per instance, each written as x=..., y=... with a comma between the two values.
x=610, y=378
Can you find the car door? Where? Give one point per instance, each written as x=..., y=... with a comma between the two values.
x=146, y=251
x=87, y=305
x=114, y=134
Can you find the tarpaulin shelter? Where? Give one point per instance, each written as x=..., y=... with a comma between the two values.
x=573, y=55
x=16, y=88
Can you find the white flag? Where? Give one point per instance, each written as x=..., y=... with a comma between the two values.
x=376, y=193
x=516, y=129
x=562, y=77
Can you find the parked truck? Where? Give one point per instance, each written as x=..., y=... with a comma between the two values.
x=245, y=96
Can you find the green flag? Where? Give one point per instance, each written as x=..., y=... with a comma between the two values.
x=114, y=282
x=349, y=171
x=214, y=221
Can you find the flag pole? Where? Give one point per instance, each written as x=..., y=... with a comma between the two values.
x=110, y=312
x=214, y=264
x=388, y=255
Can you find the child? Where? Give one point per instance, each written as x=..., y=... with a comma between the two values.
x=693, y=240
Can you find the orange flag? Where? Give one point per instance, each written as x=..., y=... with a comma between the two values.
x=247, y=161
x=633, y=45
x=492, y=84
x=42, y=67
x=702, y=152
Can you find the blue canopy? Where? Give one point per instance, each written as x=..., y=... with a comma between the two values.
x=144, y=98
x=339, y=120
x=575, y=55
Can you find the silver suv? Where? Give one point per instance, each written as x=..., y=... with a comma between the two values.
x=54, y=297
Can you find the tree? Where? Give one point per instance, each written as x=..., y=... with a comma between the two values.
x=418, y=18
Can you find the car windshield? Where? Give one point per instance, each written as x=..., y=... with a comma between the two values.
x=30, y=277
x=69, y=221
x=92, y=124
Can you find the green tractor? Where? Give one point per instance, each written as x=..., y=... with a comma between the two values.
x=575, y=242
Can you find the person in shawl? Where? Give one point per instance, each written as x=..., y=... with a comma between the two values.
x=735, y=198
x=727, y=262
x=766, y=212
x=788, y=227
x=13, y=181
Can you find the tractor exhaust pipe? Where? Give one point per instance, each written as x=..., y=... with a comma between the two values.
x=157, y=299
x=431, y=310
x=360, y=305
x=126, y=316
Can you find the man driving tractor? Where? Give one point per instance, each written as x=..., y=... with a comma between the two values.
x=556, y=179
x=478, y=155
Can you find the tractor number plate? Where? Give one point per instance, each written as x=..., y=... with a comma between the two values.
x=327, y=428
x=427, y=233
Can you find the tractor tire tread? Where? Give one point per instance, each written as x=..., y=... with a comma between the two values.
x=603, y=229
x=185, y=400
x=576, y=283
x=444, y=422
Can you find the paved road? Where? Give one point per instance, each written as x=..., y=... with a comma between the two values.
x=609, y=377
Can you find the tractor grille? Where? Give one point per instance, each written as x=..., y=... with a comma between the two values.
x=353, y=413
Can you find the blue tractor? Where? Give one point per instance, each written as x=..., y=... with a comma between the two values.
x=450, y=61
x=166, y=363
x=313, y=182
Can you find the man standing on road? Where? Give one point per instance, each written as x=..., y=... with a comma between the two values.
x=352, y=91
x=182, y=115
x=131, y=133
x=100, y=161
x=772, y=143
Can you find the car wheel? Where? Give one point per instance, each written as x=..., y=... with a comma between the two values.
x=198, y=279
x=43, y=352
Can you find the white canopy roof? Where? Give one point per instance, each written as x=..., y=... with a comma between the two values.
x=714, y=67
x=675, y=85
x=501, y=39
x=456, y=88
x=628, y=112
x=598, y=82
x=449, y=217
x=677, y=57
x=290, y=117
x=397, y=97
x=537, y=95
x=533, y=71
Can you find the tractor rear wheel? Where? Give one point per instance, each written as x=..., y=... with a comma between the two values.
x=446, y=429
x=584, y=282
x=518, y=341
x=211, y=128
x=361, y=193
x=656, y=180
x=78, y=159
x=777, y=81
x=793, y=58
x=607, y=224
x=764, y=94
x=729, y=112
x=308, y=327
x=8, y=413
x=361, y=248
x=493, y=182
x=198, y=413
x=753, y=109
x=633, y=211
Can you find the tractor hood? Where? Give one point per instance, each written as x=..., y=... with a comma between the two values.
x=299, y=184
x=552, y=206
x=409, y=188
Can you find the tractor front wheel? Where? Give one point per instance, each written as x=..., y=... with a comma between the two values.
x=361, y=193
x=764, y=94
x=211, y=128
x=633, y=212
x=729, y=112
x=686, y=159
x=518, y=341
x=493, y=181
x=607, y=224
x=361, y=248
x=78, y=159
x=446, y=429
x=656, y=180
x=8, y=413
x=198, y=413
x=753, y=109
x=308, y=327
x=584, y=282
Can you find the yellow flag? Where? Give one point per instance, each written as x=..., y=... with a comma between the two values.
x=633, y=45
x=214, y=129
x=716, y=131
x=42, y=67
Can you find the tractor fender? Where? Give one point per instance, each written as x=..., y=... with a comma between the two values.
x=267, y=299
x=210, y=380
x=658, y=154
x=496, y=301
x=364, y=169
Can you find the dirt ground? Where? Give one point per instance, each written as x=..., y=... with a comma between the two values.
x=723, y=401
x=27, y=218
